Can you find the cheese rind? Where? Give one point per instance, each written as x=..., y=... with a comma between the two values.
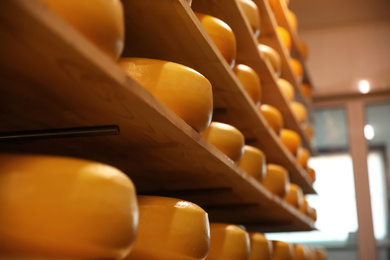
x=284, y=36
x=253, y=162
x=273, y=117
x=282, y=250
x=276, y=180
x=101, y=21
x=252, y=14
x=228, y=139
x=65, y=207
x=261, y=247
x=273, y=57
x=170, y=229
x=287, y=89
x=291, y=140
x=222, y=36
x=250, y=80
x=182, y=89
x=294, y=195
x=299, y=111
x=228, y=242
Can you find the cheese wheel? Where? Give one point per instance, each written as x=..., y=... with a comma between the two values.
x=291, y=140
x=301, y=252
x=297, y=69
x=320, y=254
x=261, y=247
x=170, y=229
x=308, y=130
x=276, y=180
x=100, y=21
x=273, y=117
x=58, y=207
x=282, y=250
x=251, y=14
x=299, y=111
x=273, y=58
x=303, y=49
x=253, y=162
x=294, y=195
x=312, y=213
x=182, y=89
x=304, y=208
x=286, y=88
x=292, y=20
x=222, y=36
x=306, y=90
x=228, y=242
x=250, y=80
x=228, y=139
x=311, y=174
x=284, y=36
x=303, y=157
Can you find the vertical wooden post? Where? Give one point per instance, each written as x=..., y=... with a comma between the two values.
x=358, y=150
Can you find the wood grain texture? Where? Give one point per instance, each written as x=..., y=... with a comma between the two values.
x=51, y=78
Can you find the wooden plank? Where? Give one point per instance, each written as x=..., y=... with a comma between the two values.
x=51, y=77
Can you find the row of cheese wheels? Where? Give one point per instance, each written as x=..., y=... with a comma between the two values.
x=65, y=208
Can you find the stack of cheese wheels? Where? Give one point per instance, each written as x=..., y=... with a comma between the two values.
x=273, y=58
x=282, y=250
x=222, y=36
x=276, y=180
x=284, y=36
x=299, y=111
x=301, y=252
x=228, y=242
x=297, y=69
x=303, y=157
x=100, y=21
x=273, y=117
x=253, y=162
x=182, y=89
x=261, y=247
x=294, y=195
x=252, y=15
x=228, y=139
x=291, y=140
x=170, y=229
x=250, y=80
x=58, y=207
x=287, y=89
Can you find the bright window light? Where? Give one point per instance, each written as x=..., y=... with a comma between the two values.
x=364, y=86
x=369, y=132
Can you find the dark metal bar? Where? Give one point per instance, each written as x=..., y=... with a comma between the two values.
x=59, y=133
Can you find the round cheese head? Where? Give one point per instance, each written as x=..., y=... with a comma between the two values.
x=170, y=229
x=294, y=195
x=261, y=247
x=65, y=208
x=273, y=57
x=100, y=21
x=291, y=140
x=250, y=80
x=276, y=180
x=252, y=15
x=253, y=162
x=273, y=117
x=182, y=89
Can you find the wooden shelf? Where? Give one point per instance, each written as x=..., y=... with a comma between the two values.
x=52, y=78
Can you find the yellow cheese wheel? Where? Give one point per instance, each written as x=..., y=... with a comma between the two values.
x=253, y=162
x=284, y=36
x=170, y=229
x=294, y=195
x=311, y=174
x=182, y=89
x=303, y=49
x=228, y=242
x=312, y=213
x=261, y=247
x=252, y=14
x=250, y=80
x=276, y=180
x=286, y=88
x=100, y=21
x=299, y=111
x=228, y=139
x=291, y=140
x=301, y=252
x=282, y=250
x=308, y=130
x=273, y=57
x=320, y=254
x=297, y=69
x=222, y=36
x=273, y=117
x=303, y=157
x=306, y=90
x=58, y=207
x=304, y=208
x=292, y=20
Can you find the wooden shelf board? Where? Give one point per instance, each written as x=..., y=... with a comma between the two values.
x=51, y=77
